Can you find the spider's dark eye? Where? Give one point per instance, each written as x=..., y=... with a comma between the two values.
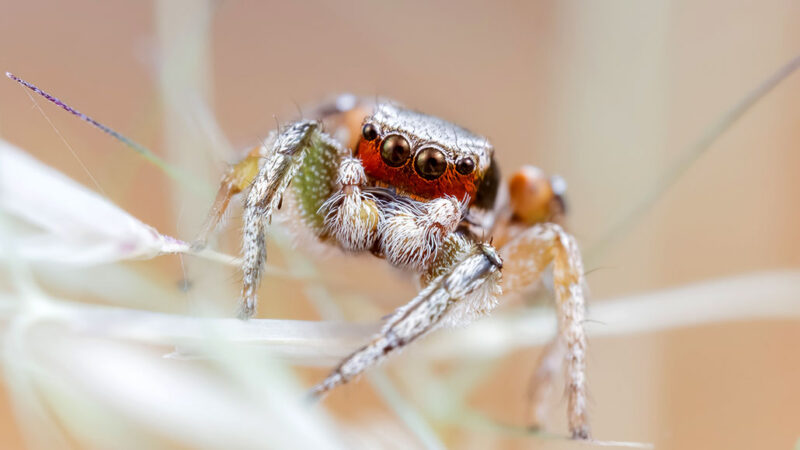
x=430, y=163
x=369, y=132
x=395, y=151
x=465, y=166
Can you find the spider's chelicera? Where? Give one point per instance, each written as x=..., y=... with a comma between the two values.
x=425, y=195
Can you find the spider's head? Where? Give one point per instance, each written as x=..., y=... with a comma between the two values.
x=422, y=156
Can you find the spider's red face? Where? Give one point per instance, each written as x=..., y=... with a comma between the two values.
x=421, y=155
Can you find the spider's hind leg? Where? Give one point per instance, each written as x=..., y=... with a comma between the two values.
x=236, y=179
x=550, y=364
x=526, y=257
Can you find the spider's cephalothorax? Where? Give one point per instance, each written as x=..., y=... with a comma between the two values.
x=422, y=156
x=426, y=196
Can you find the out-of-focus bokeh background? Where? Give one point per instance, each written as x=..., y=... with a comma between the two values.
x=610, y=95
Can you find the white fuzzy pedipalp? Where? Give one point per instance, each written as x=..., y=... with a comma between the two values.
x=412, y=233
x=352, y=219
x=352, y=216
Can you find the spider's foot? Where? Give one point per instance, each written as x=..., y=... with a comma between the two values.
x=247, y=308
x=319, y=391
x=315, y=394
x=582, y=433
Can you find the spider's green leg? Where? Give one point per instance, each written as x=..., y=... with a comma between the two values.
x=237, y=179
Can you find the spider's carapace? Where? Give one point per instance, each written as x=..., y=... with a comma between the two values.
x=423, y=156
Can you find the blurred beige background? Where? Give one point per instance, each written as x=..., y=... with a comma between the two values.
x=607, y=94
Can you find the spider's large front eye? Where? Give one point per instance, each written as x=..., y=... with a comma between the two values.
x=395, y=150
x=369, y=132
x=430, y=163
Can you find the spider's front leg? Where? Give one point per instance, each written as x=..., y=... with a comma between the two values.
x=526, y=257
x=283, y=162
x=343, y=115
x=465, y=282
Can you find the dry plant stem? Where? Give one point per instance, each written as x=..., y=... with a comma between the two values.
x=138, y=148
x=770, y=295
x=767, y=295
x=401, y=406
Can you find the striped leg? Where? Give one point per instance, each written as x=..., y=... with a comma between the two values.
x=468, y=287
x=266, y=193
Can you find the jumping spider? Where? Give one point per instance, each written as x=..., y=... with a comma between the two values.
x=426, y=196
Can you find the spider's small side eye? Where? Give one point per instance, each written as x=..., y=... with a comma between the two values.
x=395, y=150
x=430, y=163
x=465, y=166
x=369, y=131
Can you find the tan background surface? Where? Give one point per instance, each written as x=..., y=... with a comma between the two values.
x=607, y=94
